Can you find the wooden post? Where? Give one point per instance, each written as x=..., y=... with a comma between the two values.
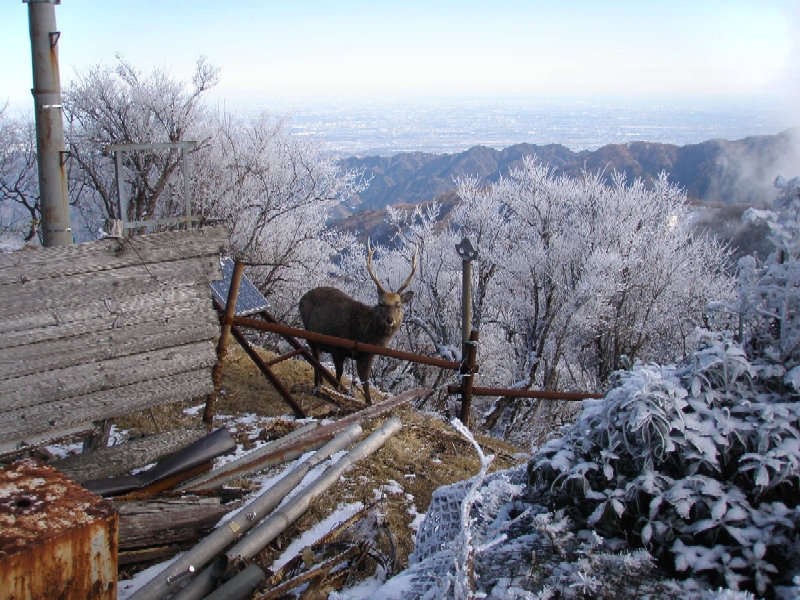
x=467, y=374
x=222, y=345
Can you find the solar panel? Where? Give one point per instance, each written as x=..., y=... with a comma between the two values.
x=249, y=301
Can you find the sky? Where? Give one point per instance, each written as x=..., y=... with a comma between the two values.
x=741, y=49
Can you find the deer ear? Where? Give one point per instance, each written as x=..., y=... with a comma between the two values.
x=406, y=297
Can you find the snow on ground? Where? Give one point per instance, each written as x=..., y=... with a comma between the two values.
x=261, y=484
x=127, y=587
x=341, y=514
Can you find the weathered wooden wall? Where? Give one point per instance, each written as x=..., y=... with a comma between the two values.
x=97, y=330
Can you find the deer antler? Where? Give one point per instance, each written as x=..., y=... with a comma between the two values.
x=370, y=252
x=413, y=270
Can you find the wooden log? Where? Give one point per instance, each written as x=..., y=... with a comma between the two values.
x=72, y=292
x=160, y=522
x=44, y=263
x=113, y=343
x=86, y=378
x=20, y=423
x=123, y=458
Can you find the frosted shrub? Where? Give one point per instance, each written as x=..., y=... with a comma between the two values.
x=699, y=463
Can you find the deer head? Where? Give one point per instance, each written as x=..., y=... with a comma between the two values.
x=388, y=313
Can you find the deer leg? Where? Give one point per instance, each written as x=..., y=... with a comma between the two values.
x=338, y=362
x=363, y=367
x=317, y=376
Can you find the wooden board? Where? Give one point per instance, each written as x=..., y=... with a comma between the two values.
x=155, y=523
x=83, y=379
x=123, y=458
x=98, y=330
x=54, y=416
x=43, y=263
x=58, y=294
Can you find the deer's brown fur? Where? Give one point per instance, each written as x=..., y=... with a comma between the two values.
x=330, y=311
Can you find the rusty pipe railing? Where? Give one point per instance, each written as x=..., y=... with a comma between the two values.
x=546, y=394
x=342, y=343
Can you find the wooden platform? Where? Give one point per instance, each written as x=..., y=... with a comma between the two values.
x=97, y=330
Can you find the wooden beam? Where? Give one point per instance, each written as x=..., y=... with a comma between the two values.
x=123, y=458
x=108, y=254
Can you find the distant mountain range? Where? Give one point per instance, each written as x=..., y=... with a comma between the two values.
x=716, y=171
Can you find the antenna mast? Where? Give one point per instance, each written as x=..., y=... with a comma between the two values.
x=50, y=148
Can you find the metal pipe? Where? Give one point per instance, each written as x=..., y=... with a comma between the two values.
x=547, y=394
x=239, y=587
x=284, y=330
x=305, y=442
x=187, y=194
x=267, y=531
x=468, y=377
x=250, y=456
x=466, y=303
x=48, y=108
x=204, y=551
x=278, y=457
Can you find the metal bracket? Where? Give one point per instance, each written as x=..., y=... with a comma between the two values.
x=54, y=37
x=465, y=250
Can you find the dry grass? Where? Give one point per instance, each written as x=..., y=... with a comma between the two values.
x=426, y=454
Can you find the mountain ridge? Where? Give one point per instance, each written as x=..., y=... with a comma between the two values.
x=714, y=171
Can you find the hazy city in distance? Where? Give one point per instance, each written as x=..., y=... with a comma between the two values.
x=386, y=127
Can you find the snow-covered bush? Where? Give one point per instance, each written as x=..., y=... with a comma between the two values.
x=699, y=463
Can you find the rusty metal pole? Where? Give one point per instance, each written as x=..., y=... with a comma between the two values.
x=50, y=149
x=469, y=338
x=467, y=374
x=222, y=345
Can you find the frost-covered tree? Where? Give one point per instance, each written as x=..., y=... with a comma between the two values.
x=594, y=276
x=575, y=278
x=700, y=462
x=19, y=186
x=276, y=193
x=120, y=104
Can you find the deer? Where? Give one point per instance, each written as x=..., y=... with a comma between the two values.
x=329, y=311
